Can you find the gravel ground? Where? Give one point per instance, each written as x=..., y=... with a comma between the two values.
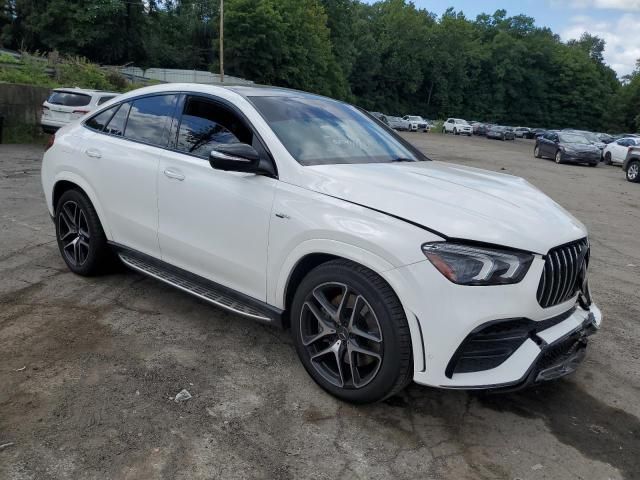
x=89, y=367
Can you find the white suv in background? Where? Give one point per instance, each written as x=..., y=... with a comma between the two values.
x=67, y=104
x=457, y=126
x=616, y=152
x=304, y=212
x=416, y=123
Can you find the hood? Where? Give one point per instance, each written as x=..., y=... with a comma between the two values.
x=456, y=201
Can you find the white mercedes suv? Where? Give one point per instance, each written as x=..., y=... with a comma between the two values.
x=307, y=213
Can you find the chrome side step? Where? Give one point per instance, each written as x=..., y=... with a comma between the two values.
x=201, y=288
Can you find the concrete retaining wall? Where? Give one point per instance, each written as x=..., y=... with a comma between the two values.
x=21, y=104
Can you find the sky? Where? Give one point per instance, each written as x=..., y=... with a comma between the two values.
x=616, y=21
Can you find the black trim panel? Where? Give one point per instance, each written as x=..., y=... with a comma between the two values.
x=500, y=345
x=269, y=311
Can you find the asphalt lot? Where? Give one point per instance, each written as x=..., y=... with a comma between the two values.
x=89, y=367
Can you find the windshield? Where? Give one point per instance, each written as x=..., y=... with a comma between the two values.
x=413, y=118
x=459, y=120
x=320, y=131
x=573, y=138
x=592, y=137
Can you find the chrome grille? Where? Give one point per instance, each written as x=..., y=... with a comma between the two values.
x=563, y=273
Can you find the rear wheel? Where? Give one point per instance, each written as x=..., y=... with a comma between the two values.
x=633, y=171
x=81, y=239
x=558, y=157
x=607, y=158
x=351, y=333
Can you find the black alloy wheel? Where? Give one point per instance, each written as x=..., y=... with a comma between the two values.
x=351, y=333
x=81, y=239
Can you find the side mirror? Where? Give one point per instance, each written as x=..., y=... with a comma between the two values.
x=235, y=157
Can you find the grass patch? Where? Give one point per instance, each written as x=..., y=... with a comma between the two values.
x=24, y=133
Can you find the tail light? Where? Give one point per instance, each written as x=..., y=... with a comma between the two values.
x=52, y=138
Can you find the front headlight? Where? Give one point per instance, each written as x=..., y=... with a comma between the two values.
x=470, y=265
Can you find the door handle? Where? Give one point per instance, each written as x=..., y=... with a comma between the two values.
x=173, y=174
x=92, y=152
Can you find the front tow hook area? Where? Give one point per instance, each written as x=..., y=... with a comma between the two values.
x=563, y=357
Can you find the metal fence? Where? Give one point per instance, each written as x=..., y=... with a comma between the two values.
x=178, y=76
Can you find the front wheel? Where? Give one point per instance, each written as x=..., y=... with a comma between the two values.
x=351, y=333
x=536, y=152
x=633, y=172
x=455, y=131
x=558, y=157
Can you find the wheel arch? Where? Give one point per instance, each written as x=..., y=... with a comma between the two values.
x=69, y=181
x=311, y=253
x=629, y=161
x=294, y=271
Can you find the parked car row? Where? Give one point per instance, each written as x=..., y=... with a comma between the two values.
x=408, y=123
x=572, y=146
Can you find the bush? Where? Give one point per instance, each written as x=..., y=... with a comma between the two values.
x=6, y=58
x=78, y=72
x=32, y=70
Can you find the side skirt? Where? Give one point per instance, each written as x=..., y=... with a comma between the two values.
x=200, y=287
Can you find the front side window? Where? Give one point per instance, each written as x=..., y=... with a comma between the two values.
x=148, y=118
x=321, y=131
x=205, y=124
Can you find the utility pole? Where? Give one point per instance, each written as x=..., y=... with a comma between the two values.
x=221, y=41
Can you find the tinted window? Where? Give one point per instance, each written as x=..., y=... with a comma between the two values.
x=320, y=131
x=148, y=118
x=105, y=99
x=117, y=123
x=69, y=99
x=97, y=122
x=205, y=124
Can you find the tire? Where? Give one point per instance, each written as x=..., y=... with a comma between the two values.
x=81, y=239
x=607, y=158
x=455, y=131
x=384, y=319
x=503, y=138
x=558, y=157
x=633, y=171
x=444, y=130
x=594, y=164
x=536, y=152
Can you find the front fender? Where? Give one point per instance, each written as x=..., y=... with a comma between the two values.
x=327, y=247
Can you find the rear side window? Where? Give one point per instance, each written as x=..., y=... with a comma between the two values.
x=102, y=100
x=148, y=118
x=98, y=122
x=69, y=99
x=205, y=124
x=119, y=120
